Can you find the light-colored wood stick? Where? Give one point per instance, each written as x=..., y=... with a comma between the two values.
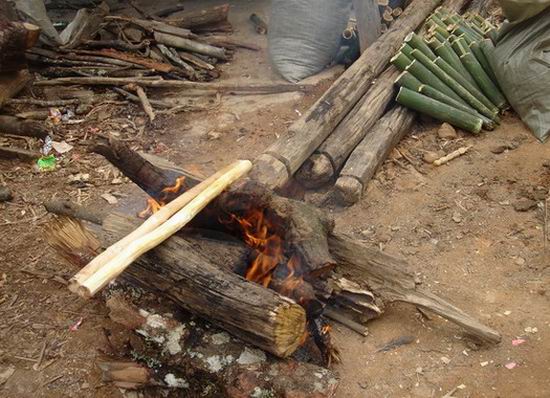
x=453, y=155
x=149, y=225
x=143, y=244
x=145, y=103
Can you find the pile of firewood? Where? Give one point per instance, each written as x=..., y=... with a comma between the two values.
x=447, y=74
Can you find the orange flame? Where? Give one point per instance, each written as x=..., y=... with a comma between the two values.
x=167, y=194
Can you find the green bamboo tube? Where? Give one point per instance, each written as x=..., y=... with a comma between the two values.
x=468, y=97
x=442, y=32
x=406, y=49
x=492, y=34
x=439, y=36
x=487, y=47
x=475, y=48
x=406, y=79
x=482, y=79
x=431, y=92
x=473, y=89
x=447, y=53
x=401, y=61
x=439, y=110
x=416, y=41
x=478, y=30
x=461, y=32
x=437, y=21
x=422, y=73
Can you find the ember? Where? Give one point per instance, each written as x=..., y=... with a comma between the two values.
x=167, y=194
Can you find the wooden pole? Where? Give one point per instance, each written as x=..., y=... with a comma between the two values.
x=141, y=245
x=371, y=152
x=283, y=158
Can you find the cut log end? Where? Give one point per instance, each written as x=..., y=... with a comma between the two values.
x=348, y=190
x=290, y=322
x=316, y=171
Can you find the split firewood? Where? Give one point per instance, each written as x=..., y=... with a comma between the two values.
x=147, y=108
x=73, y=56
x=283, y=158
x=453, y=155
x=375, y=269
x=323, y=166
x=193, y=59
x=117, y=44
x=12, y=83
x=153, y=238
x=190, y=45
x=134, y=98
x=84, y=26
x=197, y=88
x=228, y=42
x=371, y=152
x=16, y=126
x=198, y=18
x=18, y=153
x=173, y=56
x=259, y=24
x=5, y=194
x=43, y=103
x=169, y=10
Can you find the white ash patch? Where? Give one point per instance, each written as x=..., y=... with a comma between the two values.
x=250, y=356
x=156, y=321
x=216, y=363
x=220, y=338
x=174, y=337
x=172, y=381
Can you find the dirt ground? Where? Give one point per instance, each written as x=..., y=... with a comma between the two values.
x=458, y=226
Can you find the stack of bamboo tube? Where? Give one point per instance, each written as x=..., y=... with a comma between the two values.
x=446, y=73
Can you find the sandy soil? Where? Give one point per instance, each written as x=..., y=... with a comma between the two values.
x=456, y=225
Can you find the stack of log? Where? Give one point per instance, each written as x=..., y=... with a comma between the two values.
x=447, y=75
x=349, y=132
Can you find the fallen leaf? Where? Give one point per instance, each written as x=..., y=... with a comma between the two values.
x=61, y=147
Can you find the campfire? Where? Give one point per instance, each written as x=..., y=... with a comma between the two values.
x=166, y=195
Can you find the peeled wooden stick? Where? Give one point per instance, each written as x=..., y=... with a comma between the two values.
x=453, y=155
x=143, y=244
x=149, y=225
x=147, y=107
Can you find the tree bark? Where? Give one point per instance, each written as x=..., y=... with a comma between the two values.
x=367, y=157
x=12, y=83
x=324, y=165
x=306, y=134
x=15, y=38
x=16, y=126
x=208, y=16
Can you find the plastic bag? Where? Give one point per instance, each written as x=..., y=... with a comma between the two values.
x=521, y=61
x=304, y=35
x=517, y=11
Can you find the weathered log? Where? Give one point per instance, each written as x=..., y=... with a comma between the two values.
x=373, y=150
x=131, y=58
x=42, y=103
x=173, y=56
x=323, y=166
x=196, y=282
x=16, y=126
x=84, y=25
x=12, y=83
x=195, y=60
x=18, y=153
x=117, y=44
x=190, y=45
x=169, y=10
x=155, y=26
x=305, y=135
x=197, y=18
x=15, y=38
x=228, y=42
x=74, y=55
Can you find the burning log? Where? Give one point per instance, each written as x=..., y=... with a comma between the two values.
x=387, y=275
x=191, y=273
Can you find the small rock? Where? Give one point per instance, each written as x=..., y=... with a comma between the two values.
x=447, y=132
x=213, y=135
x=110, y=198
x=430, y=157
x=520, y=261
x=457, y=218
x=483, y=364
x=524, y=204
x=85, y=385
x=445, y=360
x=531, y=330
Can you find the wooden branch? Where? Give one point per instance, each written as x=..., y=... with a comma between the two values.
x=208, y=16
x=190, y=45
x=147, y=108
x=42, y=103
x=323, y=166
x=134, y=59
x=388, y=277
x=306, y=134
x=12, y=83
x=16, y=126
x=18, y=153
x=143, y=244
x=207, y=88
x=193, y=59
x=371, y=152
x=153, y=222
x=228, y=42
x=155, y=26
x=169, y=10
